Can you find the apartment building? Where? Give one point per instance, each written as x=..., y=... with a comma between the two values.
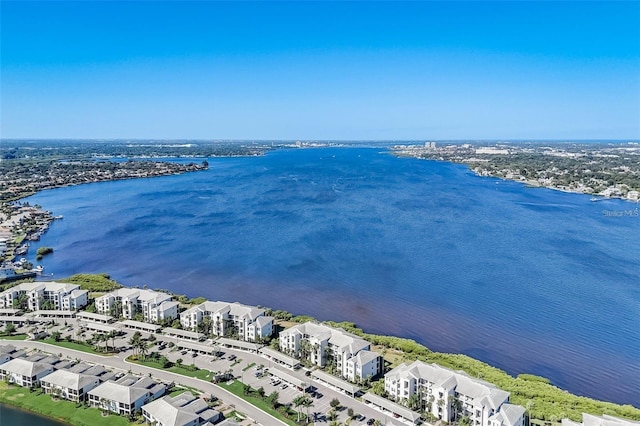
x=363, y=365
x=126, y=395
x=448, y=394
x=248, y=322
x=24, y=372
x=69, y=385
x=322, y=345
x=180, y=410
x=153, y=305
x=73, y=382
x=48, y=295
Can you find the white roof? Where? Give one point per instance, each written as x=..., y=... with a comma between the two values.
x=483, y=392
x=113, y=391
x=336, y=336
x=143, y=295
x=25, y=368
x=509, y=414
x=43, y=285
x=78, y=293
x=70, y=380
x=364, y=357
x=234, y=309
x=606, y=420
x=263, y=320
x=126, y=390
x=391, y=406
x=180, y=410
x=94, y=316
x=139, y=324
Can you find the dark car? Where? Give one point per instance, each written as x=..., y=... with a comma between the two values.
x=370, y=422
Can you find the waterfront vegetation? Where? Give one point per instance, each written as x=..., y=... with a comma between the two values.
x=543, y=400
x=43, y=251
x=93, y=282
x=608, y=169
x=59, y=409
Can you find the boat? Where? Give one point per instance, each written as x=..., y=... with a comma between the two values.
x=594, y=199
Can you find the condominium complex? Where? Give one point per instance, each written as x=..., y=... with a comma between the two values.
x=247, y=322
x=49, y=295
x=154, y=306
x=322, y=345
x=126, y=395
x=180, y=410
x=448, y=395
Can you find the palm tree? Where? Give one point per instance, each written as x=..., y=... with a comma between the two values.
x=440, y=404
x=413, y=402
x=273, y=399
x=135, y=341
x=142, y=347
x=307, y=402
x=456, y=405
x=297, y=402
x=112, y=335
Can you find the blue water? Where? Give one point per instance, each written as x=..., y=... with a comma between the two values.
x=16, y=417
x=530, y=280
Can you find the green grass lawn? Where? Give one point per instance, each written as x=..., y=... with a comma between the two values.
x=65, y=411
x=15, y=337
x=249, y=366
x=199, y=374
x=236, y=389
x=73, y=345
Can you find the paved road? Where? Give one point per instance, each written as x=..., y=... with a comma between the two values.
x=320, y=406
x=118, y=362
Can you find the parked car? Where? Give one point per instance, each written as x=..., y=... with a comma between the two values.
x=183, y=352
x=284, y=386
x=319, y=395
x=370, y=422
x=232, y=357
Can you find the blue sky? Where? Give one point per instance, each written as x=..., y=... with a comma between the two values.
x=320, y=70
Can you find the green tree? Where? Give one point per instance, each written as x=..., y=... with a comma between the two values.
x=21, y=302
x=246, y=389
x=335, y=403
x=135, y=341
x=142, y=349
x=9, y=328
x=272, y=399
x=298, y=402
x=56, y=336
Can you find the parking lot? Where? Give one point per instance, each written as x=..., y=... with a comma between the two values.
x=246, y=367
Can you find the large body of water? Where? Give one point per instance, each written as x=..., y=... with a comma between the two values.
x=529, y=280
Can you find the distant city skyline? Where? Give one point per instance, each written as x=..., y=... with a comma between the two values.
x=320, y=70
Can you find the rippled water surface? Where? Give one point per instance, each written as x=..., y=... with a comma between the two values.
x=530, y=280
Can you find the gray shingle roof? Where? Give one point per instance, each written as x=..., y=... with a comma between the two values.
x=180, y=410
x=69, y=380
x=24, y=367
